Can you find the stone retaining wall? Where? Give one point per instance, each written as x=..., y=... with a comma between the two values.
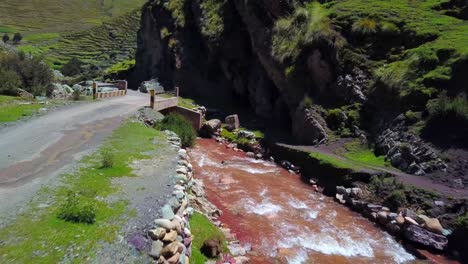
x=172, y=239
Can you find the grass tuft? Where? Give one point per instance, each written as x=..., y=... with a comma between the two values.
x=181, y=126
x=202, y=229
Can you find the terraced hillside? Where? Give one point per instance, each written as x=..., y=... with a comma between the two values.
x=100, y=46
x=100, y=33
x=44, y=19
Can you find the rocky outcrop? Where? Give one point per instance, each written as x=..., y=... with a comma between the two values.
x=407, y=151
x=309, y=126
x=419, y=229
x=238, y=62
x=209, y=128
x=424, y=237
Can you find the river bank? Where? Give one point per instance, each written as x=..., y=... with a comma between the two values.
x=326, y=177
x=283, y=218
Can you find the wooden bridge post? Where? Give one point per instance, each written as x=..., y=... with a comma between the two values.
x=177, y=91
x=94, y=90
x=152, y=99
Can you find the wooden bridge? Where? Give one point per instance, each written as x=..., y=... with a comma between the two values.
x=99, y=89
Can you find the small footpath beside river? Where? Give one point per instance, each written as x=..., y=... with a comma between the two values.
x=282, y=217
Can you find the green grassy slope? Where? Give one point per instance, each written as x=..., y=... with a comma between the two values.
x=38, y=17
x=426, y=40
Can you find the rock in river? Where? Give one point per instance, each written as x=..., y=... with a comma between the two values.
x=424, y=237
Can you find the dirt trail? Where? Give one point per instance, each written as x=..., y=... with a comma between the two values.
x=418, y=181
x=33, y=153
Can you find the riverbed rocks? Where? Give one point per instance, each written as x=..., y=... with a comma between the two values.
x=232, y=122
x=424, y=237
x=209, y=128
x=419, y=229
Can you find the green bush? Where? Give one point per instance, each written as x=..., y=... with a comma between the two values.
x=177, y=8
x=396, y=199
x=72, y=68
x=212, y=22
x=76, y=95
x=451, y=108
x=77, y=209
x=462, y=222
x=34, y=76
x=365, y=26
x=308, y=24
x=389, y=28
x=181, y=126
x=10, y=82
x=107, y=159
x=307, y=102
x=335, y=118
x=411, y=117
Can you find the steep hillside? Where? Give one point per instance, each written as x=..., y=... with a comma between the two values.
x=389, y=71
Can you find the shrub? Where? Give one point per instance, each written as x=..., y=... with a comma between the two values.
x=77, y=209
x=308, y=24
x=212, y=23
x=10, y=82
x=307, y=102
x=181, y=126
x=462, y=222
x=177, y=8
x=396, y=199
x=365, y=26
x=451, y=108
x=448, y=120
x=34, y=75
x=165, y=33
x=335, y=118
x=5, y=38
x=388, y=28
x=72, y=68
x=107, y=159
x=411, y=117
x=17, y=37
x=76, y=95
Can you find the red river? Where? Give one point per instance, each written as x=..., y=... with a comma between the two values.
x=282, y=218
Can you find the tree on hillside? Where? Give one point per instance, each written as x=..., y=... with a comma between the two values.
x=5, y=38
x=17, y=38
x=73, y=67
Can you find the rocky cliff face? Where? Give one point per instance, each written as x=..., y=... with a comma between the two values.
x=319, y=71
x=238, y=62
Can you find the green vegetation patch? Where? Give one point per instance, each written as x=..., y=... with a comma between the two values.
x=78, y=218
x=202, y=229
x=181, y=126
x=14, y=108
x=27, y=16
x=121, y=67
x=212, y=22
x=358, y=152
x=325, y=159
x=308, y=24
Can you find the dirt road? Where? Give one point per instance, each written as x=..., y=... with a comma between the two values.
x=33, y=153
